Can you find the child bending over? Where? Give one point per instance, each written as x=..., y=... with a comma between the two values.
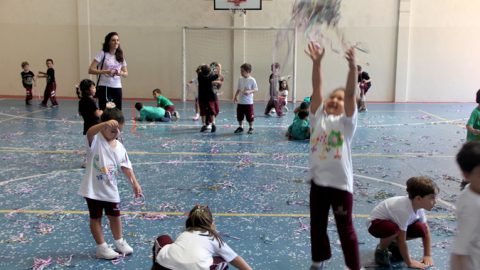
x=402, y=218
x=106, y=157
x=199, y=247
x=165, y=103
x=151, y=113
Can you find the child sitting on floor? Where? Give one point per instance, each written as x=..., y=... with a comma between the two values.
x=300, y=128
x=151, y=113
x=402, y=218
x=199, y=247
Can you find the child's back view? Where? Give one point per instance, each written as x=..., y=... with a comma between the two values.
x=466, y=246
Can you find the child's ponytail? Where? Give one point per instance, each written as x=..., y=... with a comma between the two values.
x=201, y=219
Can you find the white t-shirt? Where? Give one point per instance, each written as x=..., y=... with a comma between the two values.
x=467, y=240
x=104, y=163
x=248, y=83
x=399, y=210
x=193, y=251
x=109, y=63
x=330, y=149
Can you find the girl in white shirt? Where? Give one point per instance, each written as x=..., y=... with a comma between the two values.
x=199, y=247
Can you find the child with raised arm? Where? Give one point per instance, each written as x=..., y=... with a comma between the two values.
x=199, y=247
x=165, y=103
x=401, y=218
x=28, y=81
x=333, y=121
x=247, y=85
x=466, y=245
x=106, y=157
x=51, y=86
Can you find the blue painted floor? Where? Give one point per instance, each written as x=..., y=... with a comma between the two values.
x=255, y=184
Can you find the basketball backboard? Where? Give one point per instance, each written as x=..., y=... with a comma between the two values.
x=237, y=4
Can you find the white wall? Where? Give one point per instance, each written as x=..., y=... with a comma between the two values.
x=442, y=49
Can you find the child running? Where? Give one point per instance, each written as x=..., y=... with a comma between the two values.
x=199, y=247
x=466, y=245
x=51, y=87
x=106, y=156
x=247, y=85
x=28, y=81
x=333, y=121
x=151, y=113
x=401, y=218
x=165, y=103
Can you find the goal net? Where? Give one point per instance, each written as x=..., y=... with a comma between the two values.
x=232, y=47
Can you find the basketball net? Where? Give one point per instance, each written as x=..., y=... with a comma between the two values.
x=237, y=8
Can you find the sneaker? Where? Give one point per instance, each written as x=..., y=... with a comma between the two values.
x=318, y=267
x=28, y=103
x=123, y=247
x=84, y=165
x=214, y=128
x=168, y=115
x=203, y=128
x=196, y=117
x=54, y=106
x=106, y=252
x=250, y=131
x=382, y=257
x=42, y=105
x=176, y=115
x=238, y=130
x=209, y=126
x=395, y=251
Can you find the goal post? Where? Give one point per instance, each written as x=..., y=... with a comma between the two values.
x=233, y=46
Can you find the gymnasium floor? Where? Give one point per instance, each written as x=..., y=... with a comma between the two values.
x=255, y=184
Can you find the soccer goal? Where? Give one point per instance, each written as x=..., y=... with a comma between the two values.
x=233, y=46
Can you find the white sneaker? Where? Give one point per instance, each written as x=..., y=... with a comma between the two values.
x=209, y=126
x=123, y=247
x=106, y=252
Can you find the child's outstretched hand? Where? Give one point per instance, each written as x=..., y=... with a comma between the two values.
x=315, y=51
x=350, y=56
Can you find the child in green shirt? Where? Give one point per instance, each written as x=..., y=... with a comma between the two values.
x=165, y=103
x=151, y=113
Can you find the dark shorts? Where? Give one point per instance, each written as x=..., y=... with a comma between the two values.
x=95, y=208
x=385, y=228
x=245, y=110
x=170, y=108
x=209, y=108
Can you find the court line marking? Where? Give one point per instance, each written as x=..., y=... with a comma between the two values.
x=449, y=205
x=148, y=213
x=256, y=154
x=174, y=125
x=434, y=115
x=19, y=116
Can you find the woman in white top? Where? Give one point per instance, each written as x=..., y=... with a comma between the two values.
x=110, y=66
x=199, y=247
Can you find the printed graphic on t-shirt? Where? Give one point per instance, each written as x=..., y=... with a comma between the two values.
x=106, y=172
x=328, y=144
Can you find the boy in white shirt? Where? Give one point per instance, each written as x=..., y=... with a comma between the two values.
x=466, y=246
x=401, y=218
x=247, y=85
x=106, y=156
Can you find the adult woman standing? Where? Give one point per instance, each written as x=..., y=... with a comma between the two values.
x=110, y=65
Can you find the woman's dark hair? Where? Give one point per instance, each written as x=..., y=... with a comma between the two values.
x=112, y=114
x=106, y=47
x=200, y=218
x=478, y=97
x=84, y=87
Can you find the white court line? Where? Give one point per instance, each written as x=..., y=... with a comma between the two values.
x=449, y=205
x=18, y=116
